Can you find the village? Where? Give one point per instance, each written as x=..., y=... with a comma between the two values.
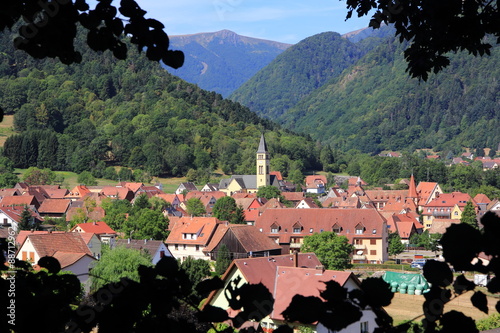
x=265, y=248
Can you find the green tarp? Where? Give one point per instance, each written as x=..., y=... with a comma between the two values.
x=406, y=282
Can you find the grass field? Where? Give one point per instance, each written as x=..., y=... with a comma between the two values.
x=406, y=307
x=6, y=128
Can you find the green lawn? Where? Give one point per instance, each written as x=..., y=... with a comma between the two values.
x=6, y=128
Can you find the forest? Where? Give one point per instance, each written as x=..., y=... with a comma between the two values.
x=106, y=112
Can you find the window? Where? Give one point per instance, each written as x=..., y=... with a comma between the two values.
x=176, y=247
x=197, y=248
x=456, y=213
x=363, y=327
x=311, y=230
x=32, y=256
x=373, y=252
x=373, y=242
x=261, y=170
x=184, y=246
x=296, y=230
x=359, y=231
x=24, y=256
x=274, y=229
x=162, y=254
x=5, y=221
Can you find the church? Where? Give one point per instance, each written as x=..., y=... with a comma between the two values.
x=252, y=183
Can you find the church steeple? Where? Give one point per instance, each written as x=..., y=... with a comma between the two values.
x=263, y=164
x=412, y=190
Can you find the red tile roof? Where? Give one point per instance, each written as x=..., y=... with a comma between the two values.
x=243, y=195
x=203, y=226
x=450, y=200
x=121, y=193
x=54, y=206
x=313, y=179
x=277, y=174
x=21, y=237
x=68, y=258
x=321, y=219
x=48, y=244
x=19, y=200
x=98, y=228
x=250, y=238
x=78, y=191
x=293, y=196
x=291, y=281
x=482, y=198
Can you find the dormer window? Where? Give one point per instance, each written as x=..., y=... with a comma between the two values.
x=297, y=228
x=337, y=228
x=274, y=228
x=359, y=229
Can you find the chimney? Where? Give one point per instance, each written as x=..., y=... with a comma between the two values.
x=295, y=258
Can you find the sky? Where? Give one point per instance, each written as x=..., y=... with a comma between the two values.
x=287, y=21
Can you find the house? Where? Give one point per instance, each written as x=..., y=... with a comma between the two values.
x=54, y=207
x=119, y=193
x=405, y=225
x=426, y=192
x=250, y=208
x=155, y=248
x=11, y=217
x=78, y=192
x=315, y=184
x=286, y=276
x=482, y=202
x=105, y=234
x=20, y=200
x=68, y=248
x=186, y=187
x=173, y=199
x=210, y=187
x=342, y=202
x=93, y=214
x=306, y=203
x=446, y=206
x=134, y=187
x=366, y=229
x=293, y=197
x=379, y=198
x=190, y=235
x=150, y=191
x=242, y=241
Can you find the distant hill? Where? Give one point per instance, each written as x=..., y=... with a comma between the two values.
x=298, y=71
x=222, y=61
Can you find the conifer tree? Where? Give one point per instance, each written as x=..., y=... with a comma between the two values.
x=469, y=215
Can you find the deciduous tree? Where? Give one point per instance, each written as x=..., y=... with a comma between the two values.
x=395, y=245
x=332, y=250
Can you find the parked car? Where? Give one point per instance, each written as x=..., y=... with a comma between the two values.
x=418, y=263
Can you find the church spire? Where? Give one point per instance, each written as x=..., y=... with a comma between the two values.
x=263, y=164
x=412, y=191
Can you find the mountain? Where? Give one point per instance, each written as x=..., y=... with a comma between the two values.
x=222, y=61
x=374, y=105
x=298, y=71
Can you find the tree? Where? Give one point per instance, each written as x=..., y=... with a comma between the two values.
x=196, y=270
x=141, y=202
x=268, y=192
x=332, y=250
x=118, y=263
x=146, y=224
x=395, y=245
x=35, y=176
x=26, y=221
x=159, y=204
x=86, y=178
x=469, y=215
x=225, y=209
x=8, y=180
x=434, y=28
x=223, y=260
x=194, y=207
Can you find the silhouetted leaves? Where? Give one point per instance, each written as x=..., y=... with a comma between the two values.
x=304, y=309
x=438, y=273
x=212, y=314
x=206, y=286
x=494, y=285
x=480, y=301
x=462, y=285
x=455, y=321
x=340, y=316
x=461, y=243
x=377, y=292
x=50, y=263
x=491, y=233
x=333, y=293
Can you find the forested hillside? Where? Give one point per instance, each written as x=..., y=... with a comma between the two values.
x=374, y=105
x=222, y=61
x=298, y=71
x=133, y=113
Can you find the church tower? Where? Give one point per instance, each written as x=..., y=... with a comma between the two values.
x=263, y=164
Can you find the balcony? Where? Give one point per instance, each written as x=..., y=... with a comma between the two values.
x=295, y=245
x=358, y=257
x=359, y=246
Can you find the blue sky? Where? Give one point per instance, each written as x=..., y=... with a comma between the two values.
x=283, y=21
